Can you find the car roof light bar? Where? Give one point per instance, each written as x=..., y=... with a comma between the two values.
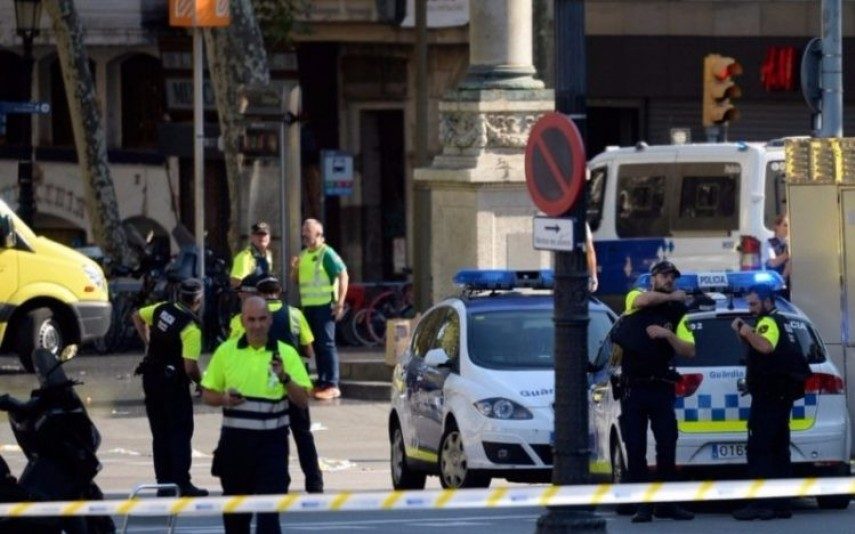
x=723, y=282
x=504, y=280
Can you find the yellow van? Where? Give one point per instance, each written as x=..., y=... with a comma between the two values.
x=50, y=295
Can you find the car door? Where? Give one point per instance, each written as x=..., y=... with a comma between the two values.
x=424, y=338
x=447, y=339
x=600, y=402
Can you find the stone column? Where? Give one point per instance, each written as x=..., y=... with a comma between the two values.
x=480, y=211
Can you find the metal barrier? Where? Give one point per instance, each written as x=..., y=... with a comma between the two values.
x=521, y=496
x=173, y=489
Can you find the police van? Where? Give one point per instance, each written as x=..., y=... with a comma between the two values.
x=472, y=397
x=703, y=206
x=711, y=412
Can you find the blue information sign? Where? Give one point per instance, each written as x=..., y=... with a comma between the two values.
x=24, y=108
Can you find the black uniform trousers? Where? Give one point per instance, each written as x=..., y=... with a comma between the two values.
x=301, y=428
x=769, y=441
x=169, y=408
x=653, y=402
x=252, y=462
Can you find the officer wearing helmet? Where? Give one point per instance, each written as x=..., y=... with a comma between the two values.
x=173, y=341
x=652, y=331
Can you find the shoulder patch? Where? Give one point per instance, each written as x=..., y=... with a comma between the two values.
x=763, y=329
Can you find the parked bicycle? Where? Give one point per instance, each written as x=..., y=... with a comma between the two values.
x=368, y=324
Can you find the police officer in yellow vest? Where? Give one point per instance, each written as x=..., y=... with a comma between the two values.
x=173, y=341
x=254, y=378
x=322, y=277
x=255, y=259
x=290, y=326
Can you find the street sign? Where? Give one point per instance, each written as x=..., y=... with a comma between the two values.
x=553, y=234
x=810, y=74
x=555, y=164
x=24, y=108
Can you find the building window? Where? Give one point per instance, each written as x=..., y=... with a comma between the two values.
x=60, y=119
x=143, y=101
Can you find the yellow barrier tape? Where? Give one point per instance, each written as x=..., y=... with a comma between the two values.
x=651, y=492
x=495, y=496
x=600, y=493
x=548, y=494
x=390, y=501
x=339, y=501
x=72, y=509
x=19, y=509
x=180, y=505
x=754, y=488
x=233, y=503
x=702, y=491
x=286, y=502
x=806, y=486
x=126, y=507
x=444, y=497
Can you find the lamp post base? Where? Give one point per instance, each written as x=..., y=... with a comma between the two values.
x=568, y=519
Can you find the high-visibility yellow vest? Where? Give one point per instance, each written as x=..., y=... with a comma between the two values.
x=316, y=287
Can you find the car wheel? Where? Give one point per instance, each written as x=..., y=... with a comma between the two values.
x=619, y=475
x=833, y=502
x=403, y=478
x=454, y=469
x=40, y=331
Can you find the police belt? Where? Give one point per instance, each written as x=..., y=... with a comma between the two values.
x=630, y=381
x=257, y=414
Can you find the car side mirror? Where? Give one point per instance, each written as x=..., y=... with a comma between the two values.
x=437, y=358
x=7, y=231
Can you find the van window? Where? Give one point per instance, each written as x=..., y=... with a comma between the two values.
x=642, y=209
x=708, y=203
x=596, y=197
x=776, y=193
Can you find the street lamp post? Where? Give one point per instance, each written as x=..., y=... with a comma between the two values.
x=28, y=14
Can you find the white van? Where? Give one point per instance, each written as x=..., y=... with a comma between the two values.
x=704, y=206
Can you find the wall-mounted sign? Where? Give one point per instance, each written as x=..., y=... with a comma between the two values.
x=440, y=13
x=337, y=172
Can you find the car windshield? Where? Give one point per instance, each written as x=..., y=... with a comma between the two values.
x=716, y=343
x=523, y=339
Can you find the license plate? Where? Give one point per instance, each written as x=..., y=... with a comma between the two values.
x=728, y=451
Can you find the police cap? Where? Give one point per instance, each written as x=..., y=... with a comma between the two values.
x=261, y=228
x=664, y=267
x=269, y=285
x=190, y=289
x=248, y=284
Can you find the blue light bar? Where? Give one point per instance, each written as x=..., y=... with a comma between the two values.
x=726, y=282
x=501, y=279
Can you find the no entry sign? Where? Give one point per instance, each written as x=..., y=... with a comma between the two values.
x=555, y=164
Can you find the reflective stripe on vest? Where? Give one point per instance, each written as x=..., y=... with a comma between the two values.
x=316, y=288
x=257, y=414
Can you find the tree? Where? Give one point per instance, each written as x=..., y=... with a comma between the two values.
x=237, y=56
x=89, y=139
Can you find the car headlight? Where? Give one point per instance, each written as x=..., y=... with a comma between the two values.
x=501, y=408
x=95, y=276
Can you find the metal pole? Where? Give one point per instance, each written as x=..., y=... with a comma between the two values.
x=571, y=450
x=199, y=148
x=283, y=206
x=832, y=70
x=26, y=189
x=421, y=232
x=294, y=190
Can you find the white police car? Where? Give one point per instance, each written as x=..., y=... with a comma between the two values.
x=472, y=398
x=712, y=415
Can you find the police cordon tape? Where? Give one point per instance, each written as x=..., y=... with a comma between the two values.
x=517, y=496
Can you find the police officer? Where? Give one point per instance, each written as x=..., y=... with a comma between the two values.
x=255, y=259
x=323, y=279
x=776, y=371
x=254, y=378
x=173, y=338
x=290, y=326
x=654, y=330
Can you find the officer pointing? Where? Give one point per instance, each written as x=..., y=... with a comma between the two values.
x=652, y=332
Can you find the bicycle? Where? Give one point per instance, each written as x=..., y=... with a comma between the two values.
x=369, y=323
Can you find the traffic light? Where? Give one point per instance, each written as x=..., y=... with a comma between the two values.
x=720, y=90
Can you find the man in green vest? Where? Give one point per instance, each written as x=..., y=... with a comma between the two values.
x=255, y=259
x=322, y=277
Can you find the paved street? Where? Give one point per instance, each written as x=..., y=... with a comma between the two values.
x=351, y=437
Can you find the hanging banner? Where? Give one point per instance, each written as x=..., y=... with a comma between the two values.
x=199, y=13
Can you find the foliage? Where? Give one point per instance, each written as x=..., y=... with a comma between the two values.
x=281, y=19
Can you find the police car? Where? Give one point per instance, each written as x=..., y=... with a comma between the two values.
x=472, y=398
x=712, y=414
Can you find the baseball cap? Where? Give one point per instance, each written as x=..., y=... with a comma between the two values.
x=261, y=227
x=664, y=267
x=190, y=288
x=268, y=285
